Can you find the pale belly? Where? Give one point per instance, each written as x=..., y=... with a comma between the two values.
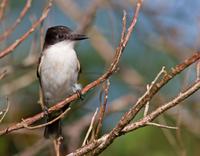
x=58, y=77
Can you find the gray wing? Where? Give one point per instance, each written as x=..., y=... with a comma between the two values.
x=38, y=69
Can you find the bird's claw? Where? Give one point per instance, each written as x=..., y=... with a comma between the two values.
x=77, y=89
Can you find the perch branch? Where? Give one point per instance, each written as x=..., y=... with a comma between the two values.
x=90, y=86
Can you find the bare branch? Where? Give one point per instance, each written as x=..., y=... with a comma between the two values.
x=57, y=144
x=161, y=126
x=2, y=8
x=9, y=30
x=182, y=96
x=106, y=86
x=4, y=112
x=101, y=79
x=150, y=86
x=90, y=128
x=10, y=48
x=198, y=70
x=141, y=123
x=3, y=74
x=48, y=123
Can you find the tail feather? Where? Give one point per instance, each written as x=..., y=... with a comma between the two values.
x=53, y=130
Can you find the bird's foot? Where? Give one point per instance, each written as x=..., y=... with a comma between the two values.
x=77, y=89
x=46, y=112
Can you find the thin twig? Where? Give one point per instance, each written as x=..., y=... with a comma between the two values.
x=2, y=8
x=3, y=74
x=72, y=10
x=90, y=128
x=48, y=123
x=10, y=29
x=141, y=123
x=182, y=96
x=106, y=86
x=123, y=26
x=161, y=126
x=133, y=111
x=146, y=108
x=10, y=48
x=198, y=71
x=179, y=68
x=57, y=145
x=163, y=71
x=5, y=112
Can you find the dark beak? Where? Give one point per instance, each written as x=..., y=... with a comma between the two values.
x=77, y=37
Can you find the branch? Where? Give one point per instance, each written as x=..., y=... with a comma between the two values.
x=2, y=8
x=106, y=86
x=182, y=96
x=47, y=123
x=9, y=30
x=5, y=112
x=10, y=48
x=90, y=127
x=104, y=77
x=57, y=145
x=128, y=116
x=161, y=126
x=198, y=70
x=98, y=145
x=163, y=71
x=3, y=74
x=72, y=10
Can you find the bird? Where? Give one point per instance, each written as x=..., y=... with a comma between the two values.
x=58, y=72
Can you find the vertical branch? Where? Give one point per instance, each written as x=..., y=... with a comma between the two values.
x=123, y=26
x=90, y=128
x=124, y=121
x=2, y=8
x=106, y=86
x=57, y=145
x=2, y=74
x=198, y=71
x=5, y=112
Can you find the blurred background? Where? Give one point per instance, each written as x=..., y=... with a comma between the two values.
x=167, y=32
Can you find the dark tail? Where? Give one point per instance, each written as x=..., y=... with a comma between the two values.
x=53, y=130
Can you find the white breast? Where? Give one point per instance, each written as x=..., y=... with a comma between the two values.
x=59, y=71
